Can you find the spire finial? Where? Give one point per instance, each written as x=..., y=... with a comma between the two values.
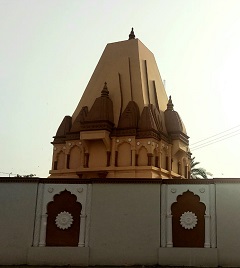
x=105, y=92
x=170, y=104
x=131, y=35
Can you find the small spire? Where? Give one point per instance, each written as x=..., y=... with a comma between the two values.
x=170, y=104
x=131, y=35
x=105, y=92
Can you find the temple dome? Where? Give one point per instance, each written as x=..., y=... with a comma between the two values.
x=173, y=121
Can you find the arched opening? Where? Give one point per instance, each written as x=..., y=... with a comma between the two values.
x=63, y=221
x=142, y=157
x=188, y=222
x=75, y=158
x=61, y=160
x=97, y=154
x=124, y=155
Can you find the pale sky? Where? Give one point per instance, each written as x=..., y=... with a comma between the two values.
x=49, y=49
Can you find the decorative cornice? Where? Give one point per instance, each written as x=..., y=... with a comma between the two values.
x=188, y=181
x=64, y=181
x=142, y=134
x=226, y=180
x=59, y=140
x=127, y=180
x=72, y=136
x=97, y=125
x=124, y=132
x=117, y=180
x=18, y=180
x=180, y=136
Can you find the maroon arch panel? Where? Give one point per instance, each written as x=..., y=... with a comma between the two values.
x=65, y=201
x=188, y=237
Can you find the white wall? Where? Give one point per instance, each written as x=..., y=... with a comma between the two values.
x=125, y=224
x=228, y=223
x=122, y=227
x=17, y=210
x=59, y=256
x=198, y=257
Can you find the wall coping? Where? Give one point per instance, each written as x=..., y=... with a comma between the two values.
x=117, y=180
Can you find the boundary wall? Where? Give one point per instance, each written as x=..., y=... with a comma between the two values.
x=123, y=222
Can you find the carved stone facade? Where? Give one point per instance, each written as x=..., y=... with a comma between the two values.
x=188, y=216
x=124, y=125
x=61, y=215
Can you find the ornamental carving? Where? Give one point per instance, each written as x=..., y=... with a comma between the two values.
x=64, y=220
x=188, y=220
x=50, y=189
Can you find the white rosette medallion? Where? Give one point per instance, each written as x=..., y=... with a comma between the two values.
x=188, y=220
x=64, y=220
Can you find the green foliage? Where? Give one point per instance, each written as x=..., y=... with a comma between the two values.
x=197, y=173
x=26, y=176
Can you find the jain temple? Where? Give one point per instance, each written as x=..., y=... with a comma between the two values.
x=119, y=192
x=124, y=125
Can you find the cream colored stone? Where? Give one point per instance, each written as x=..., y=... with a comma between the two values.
x=131, y=73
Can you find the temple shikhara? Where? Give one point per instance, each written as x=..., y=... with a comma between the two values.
x=124, y=126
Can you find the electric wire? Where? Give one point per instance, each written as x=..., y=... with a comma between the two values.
x=236, y=131
x=216, y=134
x=217, y=139
x=194, y=149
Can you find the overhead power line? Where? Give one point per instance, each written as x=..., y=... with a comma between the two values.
x=216, y=134
x=199, y=147
x=210, y=140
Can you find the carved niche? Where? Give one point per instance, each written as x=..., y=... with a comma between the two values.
x=63, y=221
x=188, y=222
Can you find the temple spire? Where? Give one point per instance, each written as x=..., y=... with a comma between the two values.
x=105, y=92
x=170, y=104
x=131, y=35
